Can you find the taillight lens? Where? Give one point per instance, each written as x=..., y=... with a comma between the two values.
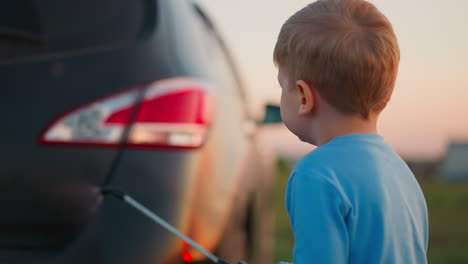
x=175, y=112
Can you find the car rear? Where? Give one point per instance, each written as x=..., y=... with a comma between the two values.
x=81, y=82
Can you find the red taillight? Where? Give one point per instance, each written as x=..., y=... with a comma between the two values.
x=187, y=257
x=175, y=112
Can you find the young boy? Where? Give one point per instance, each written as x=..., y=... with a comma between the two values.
x=353, y=199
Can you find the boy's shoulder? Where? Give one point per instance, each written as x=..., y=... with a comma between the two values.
x=318, y=159
x=345, y=156
x=317, y=165
x=316, y=172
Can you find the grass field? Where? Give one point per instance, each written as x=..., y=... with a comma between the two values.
x=448, y=221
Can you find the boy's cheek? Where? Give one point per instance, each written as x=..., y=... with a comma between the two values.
x=288, y=117
x=283, y=108
x=287, y=106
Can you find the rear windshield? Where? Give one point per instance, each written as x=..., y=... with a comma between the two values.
x=38, y=27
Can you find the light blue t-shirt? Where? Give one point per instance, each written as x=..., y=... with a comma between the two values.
x=354, y=200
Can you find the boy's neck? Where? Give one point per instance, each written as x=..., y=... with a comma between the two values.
x=341, y=125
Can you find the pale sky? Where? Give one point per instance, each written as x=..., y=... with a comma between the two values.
x=430, y=104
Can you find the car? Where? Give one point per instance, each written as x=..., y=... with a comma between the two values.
x=140, y=95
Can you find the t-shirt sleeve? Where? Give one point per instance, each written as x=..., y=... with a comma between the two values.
x=317, y=212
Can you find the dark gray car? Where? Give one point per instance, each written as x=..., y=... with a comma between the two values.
x=141, y=95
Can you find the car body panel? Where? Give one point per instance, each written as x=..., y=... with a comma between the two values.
x=54, y=189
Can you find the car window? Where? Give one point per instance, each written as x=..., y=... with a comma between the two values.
x=29, y=28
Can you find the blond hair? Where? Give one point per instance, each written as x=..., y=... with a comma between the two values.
x=346, y=49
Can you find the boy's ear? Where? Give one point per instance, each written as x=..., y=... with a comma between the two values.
x=306, y=97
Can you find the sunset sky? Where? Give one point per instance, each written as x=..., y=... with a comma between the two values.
x=430, y=104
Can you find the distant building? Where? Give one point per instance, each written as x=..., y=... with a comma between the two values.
x=424, y=169
x=455, y=163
